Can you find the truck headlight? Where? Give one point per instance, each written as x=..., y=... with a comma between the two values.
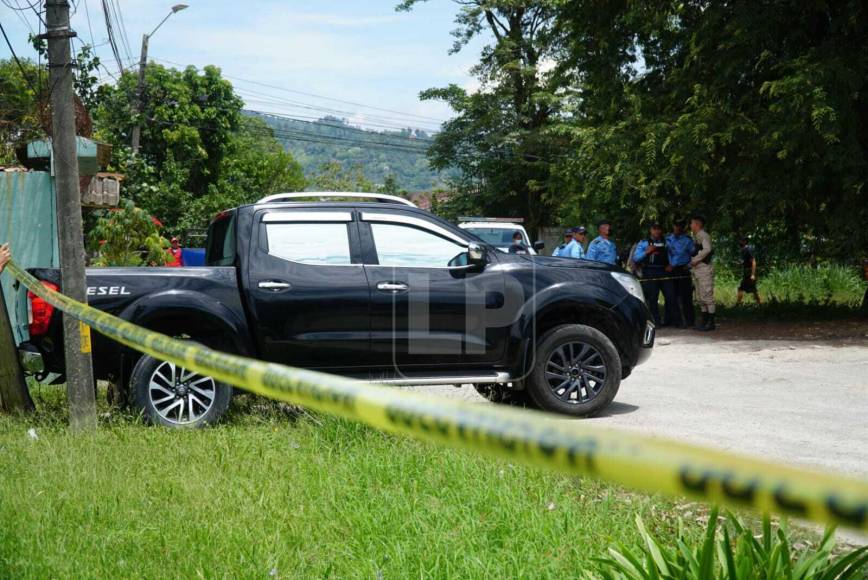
x=630, y=283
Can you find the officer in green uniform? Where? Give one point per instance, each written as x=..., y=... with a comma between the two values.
x=703, y=272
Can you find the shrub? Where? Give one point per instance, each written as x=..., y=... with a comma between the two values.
x=732, y=552
x=127, y=236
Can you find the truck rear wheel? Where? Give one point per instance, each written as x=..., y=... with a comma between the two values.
x=577, y=371
x=173, y=396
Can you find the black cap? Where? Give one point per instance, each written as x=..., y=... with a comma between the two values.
x=578, y=230
x=517, y=234
x=655, y=224
x=569, y=231
x=604, y=223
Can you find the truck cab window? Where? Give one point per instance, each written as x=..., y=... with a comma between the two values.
x=409, y=247
x=220, y=250
x=309, y=243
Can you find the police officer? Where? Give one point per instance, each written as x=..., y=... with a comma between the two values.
x=518, y=246
x=681, y=249
x=652, y=255
x=602, y=249
x=568, y=237
x=703, y=272
x=576, y=249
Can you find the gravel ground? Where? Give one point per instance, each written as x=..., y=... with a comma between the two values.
x=797, y=401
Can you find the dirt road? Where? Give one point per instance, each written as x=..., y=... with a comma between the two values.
x=799, y=401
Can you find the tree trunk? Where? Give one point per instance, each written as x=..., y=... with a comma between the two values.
x=14, y=395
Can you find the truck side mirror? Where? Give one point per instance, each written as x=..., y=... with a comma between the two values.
x=539, y=245
x=475, y=255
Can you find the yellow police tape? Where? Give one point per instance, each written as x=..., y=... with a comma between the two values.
x=637, y=461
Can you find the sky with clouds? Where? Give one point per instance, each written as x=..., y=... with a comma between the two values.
x=358, y=51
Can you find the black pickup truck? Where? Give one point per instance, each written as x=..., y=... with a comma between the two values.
x=372, y=288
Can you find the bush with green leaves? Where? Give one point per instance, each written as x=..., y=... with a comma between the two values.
x=127, y=236
x=732, y=551
x=825, y=285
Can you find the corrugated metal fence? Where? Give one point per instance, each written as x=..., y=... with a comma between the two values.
x=28, y=222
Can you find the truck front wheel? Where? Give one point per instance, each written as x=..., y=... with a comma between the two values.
x=173, y=396
x=577, y=371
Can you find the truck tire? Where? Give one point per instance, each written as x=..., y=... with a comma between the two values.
x=577, y=371
x=171, y=396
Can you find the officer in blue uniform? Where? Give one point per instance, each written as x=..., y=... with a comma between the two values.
x=602, y=249
x=652, y=255
x=576, y=248
x=568, y=238
x=681, y=249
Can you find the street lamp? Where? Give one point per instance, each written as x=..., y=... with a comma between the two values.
x=143, y=62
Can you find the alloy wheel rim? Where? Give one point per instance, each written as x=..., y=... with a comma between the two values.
x=575, y=372
x=180, y=396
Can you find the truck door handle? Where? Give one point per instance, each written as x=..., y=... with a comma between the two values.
x=393, y=287
x=274, y=285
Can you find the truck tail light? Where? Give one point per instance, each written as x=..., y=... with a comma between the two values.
x=39, y=311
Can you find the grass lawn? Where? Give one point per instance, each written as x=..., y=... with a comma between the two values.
x=270, y=494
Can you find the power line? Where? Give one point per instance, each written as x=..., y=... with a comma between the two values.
x=119, y=20
x=111, y=37
x=321, y=123
x=89, y=27
x=18, y=62
x=385, y=122
x=314, y=95
x=30, y=6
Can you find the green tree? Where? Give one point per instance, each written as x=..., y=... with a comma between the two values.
x=754, y=113
x=187, y=121
x=334, y=176
x=127, y=236
x=498, y=137
x=19, y=106
x=255, y=166
x=198, y=154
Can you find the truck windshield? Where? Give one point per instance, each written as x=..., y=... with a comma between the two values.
x=220, y=249
x=496, y=236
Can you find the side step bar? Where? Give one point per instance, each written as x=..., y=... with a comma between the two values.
x=487, y=378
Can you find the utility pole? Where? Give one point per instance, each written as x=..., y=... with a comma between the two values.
x=140, y=87
x=76, y=335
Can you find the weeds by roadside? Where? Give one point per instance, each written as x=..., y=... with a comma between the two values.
x=277, y=491
x=730, y=550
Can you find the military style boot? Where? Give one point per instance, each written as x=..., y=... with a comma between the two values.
x=710, y=325
x=703, y=324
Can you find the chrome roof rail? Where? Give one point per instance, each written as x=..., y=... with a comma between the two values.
x=382, y=197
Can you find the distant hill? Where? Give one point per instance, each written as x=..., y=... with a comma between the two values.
x=401, y=153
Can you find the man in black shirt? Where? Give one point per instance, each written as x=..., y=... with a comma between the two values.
x=518, y=246
x=748, y=277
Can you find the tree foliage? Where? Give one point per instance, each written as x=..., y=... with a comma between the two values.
x=187, y=120
x=19, y=111
x=401, y=153
x=752, y=113
x=334, y=176
x=497, y=138
x=198, y=154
